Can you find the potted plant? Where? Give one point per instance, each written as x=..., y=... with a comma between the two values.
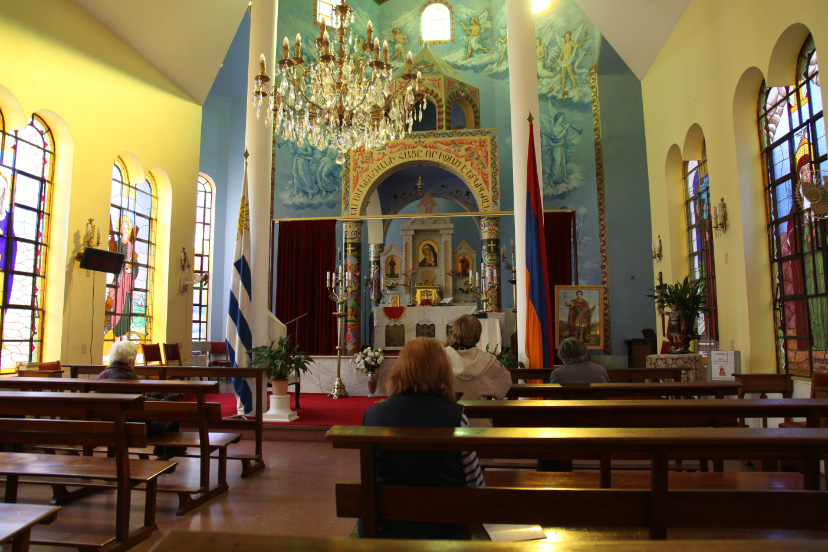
x=368, y=361
x=686, y=300
x=506, y=358
x=280, y=358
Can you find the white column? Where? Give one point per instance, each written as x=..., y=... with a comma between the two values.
x=257, y=138
x=523, y=95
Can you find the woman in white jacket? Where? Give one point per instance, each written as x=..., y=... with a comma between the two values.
x=477, y=374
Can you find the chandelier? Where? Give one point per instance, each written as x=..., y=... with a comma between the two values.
x=339, y=100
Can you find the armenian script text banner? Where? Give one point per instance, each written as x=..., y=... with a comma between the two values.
x=472, y=155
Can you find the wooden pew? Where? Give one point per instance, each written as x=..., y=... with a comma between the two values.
x=636, y=413
x=615, y=374
x=17, y=520
x=191, y=497
x=118, y=470
x=657, y=508
x=585, y=391
x=196, y=541
x=251, y=463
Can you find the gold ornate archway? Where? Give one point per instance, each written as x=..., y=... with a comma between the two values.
x=471, y=155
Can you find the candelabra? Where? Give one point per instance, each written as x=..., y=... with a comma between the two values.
x=338, y=292
x=511, y=268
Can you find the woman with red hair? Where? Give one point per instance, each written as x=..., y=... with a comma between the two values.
x=422, y=395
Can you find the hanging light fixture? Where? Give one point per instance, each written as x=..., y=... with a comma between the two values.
x=338, y=101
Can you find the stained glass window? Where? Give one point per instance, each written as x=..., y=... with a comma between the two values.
x=201, y=258
x=27, y=159
x=697, y=212
x=132, y=213
x=792, y=135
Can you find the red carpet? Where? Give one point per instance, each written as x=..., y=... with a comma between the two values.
x=317, y=409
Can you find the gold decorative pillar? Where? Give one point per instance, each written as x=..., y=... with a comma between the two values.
x=352, y=232
x=490, y=227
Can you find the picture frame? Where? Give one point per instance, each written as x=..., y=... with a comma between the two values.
x=579, y=313
x=395, y=301
x=427, y=254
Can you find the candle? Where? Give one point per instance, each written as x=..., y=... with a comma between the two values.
x=476, y=279
x=369, y=33
x=298, y=46
x=328, y=278
x=325, y=44
x=409, y=63
x=285, y=48
x=262, y=64
x=385, y=51
x=503, y=252
x=512, y=243
x=376, y=49
x=383, y=281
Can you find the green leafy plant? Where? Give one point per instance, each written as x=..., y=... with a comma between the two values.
x=279, y=358
x=506, y=358
x=687, y=297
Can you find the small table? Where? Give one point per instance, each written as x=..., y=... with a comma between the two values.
x=16, y=521
x=692, y=363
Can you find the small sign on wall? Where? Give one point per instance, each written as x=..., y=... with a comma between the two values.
x=723, y=365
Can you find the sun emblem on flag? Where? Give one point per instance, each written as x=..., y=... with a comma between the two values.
x=244, y=217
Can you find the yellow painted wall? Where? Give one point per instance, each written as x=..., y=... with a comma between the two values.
x=708, y=74
x=103, y=100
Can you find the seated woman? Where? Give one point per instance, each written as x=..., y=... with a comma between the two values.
x=121, y=367
x=477, y=374
x=422, y=395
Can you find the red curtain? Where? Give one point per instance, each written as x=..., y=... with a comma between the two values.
x=306, y=251
x=558, y=228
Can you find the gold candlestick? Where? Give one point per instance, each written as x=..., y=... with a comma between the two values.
x=338, y=293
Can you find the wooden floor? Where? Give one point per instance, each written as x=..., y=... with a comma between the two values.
x=294, y=496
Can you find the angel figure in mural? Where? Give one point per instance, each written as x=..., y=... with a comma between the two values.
x=474, y=28
x=399, y=40
x=359, y=53
x=572, y=51
x=557, y=146
x=540, y=55
x=502, y=46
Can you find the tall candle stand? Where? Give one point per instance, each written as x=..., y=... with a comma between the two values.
x=338, y=292
x=511, y=268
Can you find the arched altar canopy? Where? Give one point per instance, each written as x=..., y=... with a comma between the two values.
x=471, y=155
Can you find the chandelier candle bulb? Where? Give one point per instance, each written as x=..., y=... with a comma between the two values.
x=385, y=51
x=298, y=46
x=369, y=33
x=376, y=49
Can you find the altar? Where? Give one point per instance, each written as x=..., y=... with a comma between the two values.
x=395, y=326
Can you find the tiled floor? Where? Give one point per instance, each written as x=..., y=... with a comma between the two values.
x=293, y=495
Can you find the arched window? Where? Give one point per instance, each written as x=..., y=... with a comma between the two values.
x=697, y=212
x=132, y=220
x=437, y=23
x=323, y=9
x=792, y=135
x=201, y=260
x=27, y=159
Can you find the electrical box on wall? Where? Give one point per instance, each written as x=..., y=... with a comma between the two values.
x=723, y=365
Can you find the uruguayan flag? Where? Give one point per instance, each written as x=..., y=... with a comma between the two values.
x=239, y=338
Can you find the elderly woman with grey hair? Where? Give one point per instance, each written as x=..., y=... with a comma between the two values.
x=121, y=367
x=121, y=362
x=577, y=368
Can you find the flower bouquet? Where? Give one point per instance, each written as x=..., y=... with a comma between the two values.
x=368, y=360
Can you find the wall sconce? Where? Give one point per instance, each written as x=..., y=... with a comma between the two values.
x=184, y=260
x=657, y=253
x=89, y=238
x=719, y=218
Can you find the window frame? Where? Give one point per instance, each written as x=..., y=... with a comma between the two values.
x=45, y=182
x=451, y=23
x=205, y=194
x=127, y=188
x=804, y=248
x=700, y=250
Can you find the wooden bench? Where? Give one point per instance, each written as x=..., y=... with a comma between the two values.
x=608, y=390
x=17, y=520
x=86, y=472
x=657, y=508
x=636, y=413
x=251, y=463
x=197, y=541
x=615, y=374
x=192, y=495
